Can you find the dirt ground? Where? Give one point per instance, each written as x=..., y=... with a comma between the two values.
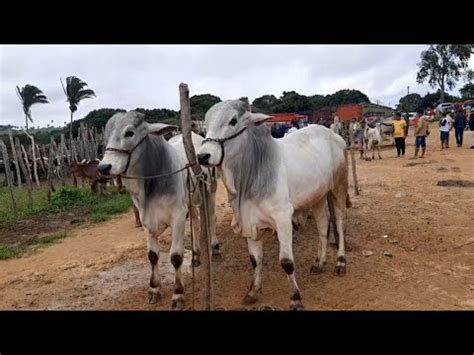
x=429, y=229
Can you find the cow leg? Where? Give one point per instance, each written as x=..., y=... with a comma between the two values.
x=285, y=236
x=339, y=205
x=321, y=217
x=176, y=256
x=256, y=257
x=196, y=244
x=138, y=223
x=216, y=254
x=153, y=256
x=378, y=151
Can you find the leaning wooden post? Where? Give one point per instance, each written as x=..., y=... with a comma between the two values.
x=8, y=172
x=25, y=173
x=354, y=173
x=33, y=158
x=206, y=271
x=15, y=159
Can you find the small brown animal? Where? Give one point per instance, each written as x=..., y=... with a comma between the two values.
x=88, y=171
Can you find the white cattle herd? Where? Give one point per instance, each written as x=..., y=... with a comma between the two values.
x=272, y=184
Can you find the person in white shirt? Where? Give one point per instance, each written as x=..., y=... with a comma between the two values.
x=445, y=125
x=292, y=129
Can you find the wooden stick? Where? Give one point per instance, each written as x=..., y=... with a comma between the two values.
x=33, y=158
x=205, y=268
x=15, y=160
x=26, y=161
x=26, y=173
x=50, y=167
x=8, y=172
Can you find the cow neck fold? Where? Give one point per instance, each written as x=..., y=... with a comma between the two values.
x=154, y=157
x=253, y=166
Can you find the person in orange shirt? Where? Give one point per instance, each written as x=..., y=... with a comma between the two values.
x=399, y=133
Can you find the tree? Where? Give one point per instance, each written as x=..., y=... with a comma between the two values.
x=30, y=95
x=75, y=92
x=200, y=104
x=410, y=103
x=346, y=96
x=467, y=91
x=442, y=65
x=291, y=101
x=433, y=99
x=265, y=104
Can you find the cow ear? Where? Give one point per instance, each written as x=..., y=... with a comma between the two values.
x=160, y=128
x=257, y=118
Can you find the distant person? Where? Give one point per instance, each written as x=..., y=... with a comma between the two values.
x=445, y=125
x=336, y=126
x=294, y=128
x=422, y=130
x=460, y=122
x=406, y=117
x=399, y=133
x=471, y=126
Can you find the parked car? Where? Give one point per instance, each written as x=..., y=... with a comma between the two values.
x=445, y=107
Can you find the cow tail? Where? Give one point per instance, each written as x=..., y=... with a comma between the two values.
x=332, y=218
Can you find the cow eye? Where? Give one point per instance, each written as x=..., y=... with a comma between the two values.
x=233, y=122
x=129, y=134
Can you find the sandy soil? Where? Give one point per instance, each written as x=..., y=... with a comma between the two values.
x=430, y=233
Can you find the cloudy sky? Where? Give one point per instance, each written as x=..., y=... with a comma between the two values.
x=148, y=76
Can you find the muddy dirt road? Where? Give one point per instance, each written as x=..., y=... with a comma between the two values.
x=430, y=233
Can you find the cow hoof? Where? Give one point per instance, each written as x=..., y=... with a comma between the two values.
x=177, y=305
x=296, y=306
x=340, y=270
x=154, y=298
x=216, y=254
x=380, y=157
x=196, y=262
x=138, y=225
x=316, y=269
x=250, y=299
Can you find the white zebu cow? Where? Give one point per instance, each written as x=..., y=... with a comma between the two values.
x=271, y=182
x=372, y=140
x=136, y=148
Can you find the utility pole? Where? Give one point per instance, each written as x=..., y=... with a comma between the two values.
x=408, y=90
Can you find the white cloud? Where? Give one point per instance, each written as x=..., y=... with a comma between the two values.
x=131, y=76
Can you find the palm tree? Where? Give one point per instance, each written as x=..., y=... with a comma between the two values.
x=30, y=95
x=75, y=92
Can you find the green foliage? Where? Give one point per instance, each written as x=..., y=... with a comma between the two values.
x=291, y=101
x=10, y=251
x=265, y=104
x=200, y=104
x=65, y=199
x=433, y=99
x=442, y=65
x=30, y=95
x=68, y=196
x=467, y=91
x=76, y=91
x=411, y=103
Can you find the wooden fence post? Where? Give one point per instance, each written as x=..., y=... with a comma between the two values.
x=8, y=172
x=15, y=159
x=26, y=173
x=354, y=172
x=205, y=268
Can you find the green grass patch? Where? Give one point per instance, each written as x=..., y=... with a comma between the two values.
x=15, y=251
x=66, y=198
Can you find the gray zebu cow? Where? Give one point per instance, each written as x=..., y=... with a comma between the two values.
x=136, y=148
x=271, y=182
x=372, y=140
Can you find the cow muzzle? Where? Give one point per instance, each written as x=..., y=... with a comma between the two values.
x=104, y=169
